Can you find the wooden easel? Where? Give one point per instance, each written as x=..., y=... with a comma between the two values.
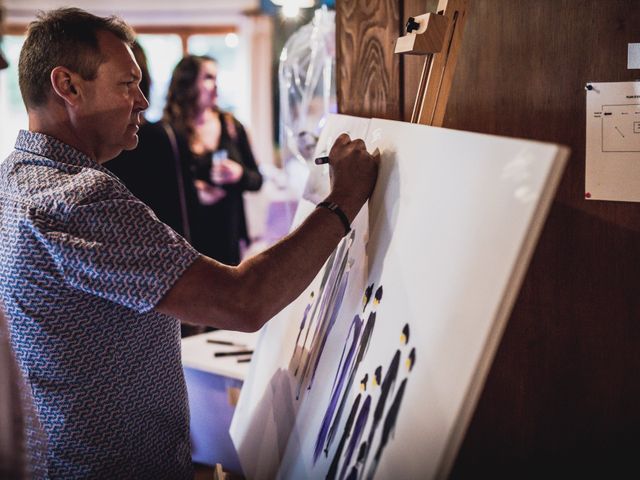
x=439, y=36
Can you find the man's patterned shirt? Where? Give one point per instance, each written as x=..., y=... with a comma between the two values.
x=83, y=263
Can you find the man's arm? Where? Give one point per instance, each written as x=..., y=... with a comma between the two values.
x=245, y=297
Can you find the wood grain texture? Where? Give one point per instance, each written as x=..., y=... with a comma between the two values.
x=562, y=391
x=562, y=396
x=368, y=73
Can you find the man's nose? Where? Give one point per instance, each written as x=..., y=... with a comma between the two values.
x=141, y=101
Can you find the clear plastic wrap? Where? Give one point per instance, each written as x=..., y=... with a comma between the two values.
x=307, y=86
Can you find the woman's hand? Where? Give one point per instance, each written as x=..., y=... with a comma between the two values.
x=208, y=194
x=226, y=172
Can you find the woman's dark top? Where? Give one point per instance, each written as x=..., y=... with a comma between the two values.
x=217, y=229
x=149, y=172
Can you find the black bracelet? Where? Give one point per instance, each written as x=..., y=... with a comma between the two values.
x=338, y=211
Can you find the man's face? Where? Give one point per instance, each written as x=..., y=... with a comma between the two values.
x=112, y=103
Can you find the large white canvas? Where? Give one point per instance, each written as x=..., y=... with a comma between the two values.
x=447, y=235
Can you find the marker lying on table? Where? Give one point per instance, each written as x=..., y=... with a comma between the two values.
x=231, y=354
x=224, y=342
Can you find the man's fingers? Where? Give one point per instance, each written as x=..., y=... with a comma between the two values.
x=343, y=139
x=359, y=144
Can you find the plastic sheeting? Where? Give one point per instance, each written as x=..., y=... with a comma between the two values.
x=307, y=86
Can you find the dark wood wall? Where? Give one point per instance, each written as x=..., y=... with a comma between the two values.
x=563, y=394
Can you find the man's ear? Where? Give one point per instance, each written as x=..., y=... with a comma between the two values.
x=65, y=84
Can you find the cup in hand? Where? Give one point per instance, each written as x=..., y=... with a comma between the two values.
x=218, y=156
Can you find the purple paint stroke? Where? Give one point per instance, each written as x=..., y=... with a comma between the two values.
x=332, y=320
x=344, y=348
x=319, y=336
x=358, y=430
x=363, y=347
x=323, y=282
x=356, y=325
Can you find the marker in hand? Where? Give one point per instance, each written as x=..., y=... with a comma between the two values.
x=323, y=160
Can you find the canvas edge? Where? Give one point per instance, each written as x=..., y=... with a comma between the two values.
x=514, y=284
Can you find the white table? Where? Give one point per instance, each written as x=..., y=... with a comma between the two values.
x=213, y=385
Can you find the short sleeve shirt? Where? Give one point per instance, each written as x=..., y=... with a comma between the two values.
x=83, y=263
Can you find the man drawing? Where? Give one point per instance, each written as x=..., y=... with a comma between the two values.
x=94, y=286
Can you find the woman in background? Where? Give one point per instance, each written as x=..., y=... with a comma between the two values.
x=203, y=131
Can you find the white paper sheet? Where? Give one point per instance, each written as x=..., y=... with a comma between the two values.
x=613, y=141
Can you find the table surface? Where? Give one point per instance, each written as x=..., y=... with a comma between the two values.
x=198, y=353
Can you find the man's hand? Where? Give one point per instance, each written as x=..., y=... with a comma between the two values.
x=353, y=174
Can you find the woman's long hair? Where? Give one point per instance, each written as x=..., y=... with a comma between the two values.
x=183, y=94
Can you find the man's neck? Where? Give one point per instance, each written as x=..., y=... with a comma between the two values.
x=60, y=127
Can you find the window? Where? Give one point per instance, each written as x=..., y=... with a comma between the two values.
x=12, y=110
x=163, y=53
x=163, y=49
x=224, y=51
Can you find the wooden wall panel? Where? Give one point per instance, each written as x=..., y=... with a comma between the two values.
x=562, y=397
x=562, y=390
x=368, y=73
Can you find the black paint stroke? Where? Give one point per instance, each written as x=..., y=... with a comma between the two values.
x=385, y=390
x=367, y=296
x=388, y=428
x=358, y=431
x=333, y=469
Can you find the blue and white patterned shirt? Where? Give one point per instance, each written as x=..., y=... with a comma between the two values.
x=83, y=263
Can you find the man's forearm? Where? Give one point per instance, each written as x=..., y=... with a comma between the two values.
x=245, y=297
x=291, y=264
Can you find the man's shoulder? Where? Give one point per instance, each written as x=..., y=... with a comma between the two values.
x=44, y=182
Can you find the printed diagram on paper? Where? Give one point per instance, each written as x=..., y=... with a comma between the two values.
x=613, y=141
x=620, y=128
